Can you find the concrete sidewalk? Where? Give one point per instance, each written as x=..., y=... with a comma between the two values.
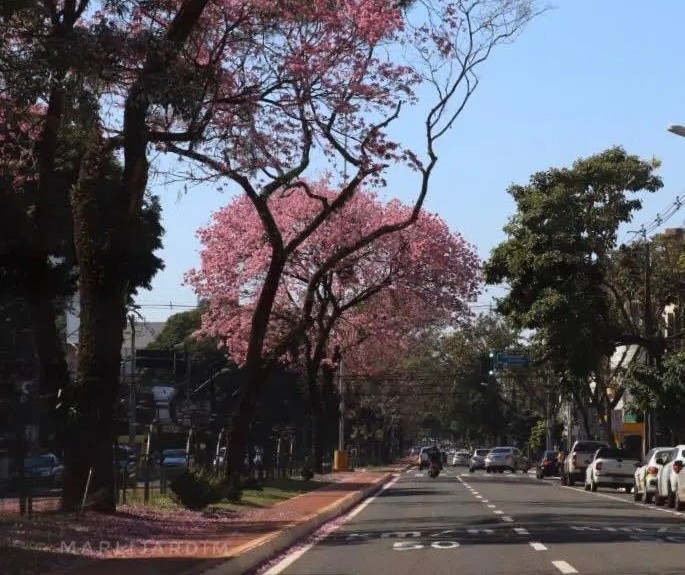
x=251, y=542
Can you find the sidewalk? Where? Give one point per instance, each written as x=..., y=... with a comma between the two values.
x=243, y=544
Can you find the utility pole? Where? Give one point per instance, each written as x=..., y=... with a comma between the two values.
x=132, y=384
x=650, y=432
x=341, y=407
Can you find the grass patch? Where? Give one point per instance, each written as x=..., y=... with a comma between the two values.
x=271, y=492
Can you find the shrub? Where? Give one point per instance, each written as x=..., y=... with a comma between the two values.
x=195, y=488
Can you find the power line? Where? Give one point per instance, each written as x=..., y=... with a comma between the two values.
x=658, y=220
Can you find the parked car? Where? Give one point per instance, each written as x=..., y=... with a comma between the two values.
x=478, y=459
x=611, y=467
x=500, y=459
x=44, y=470
x=670, y=478
x=645, y=477
x=174, y=460
x=576, y=462
x=546, y=465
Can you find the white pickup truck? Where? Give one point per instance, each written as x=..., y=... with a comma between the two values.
x=578, y=459
x=611, y=467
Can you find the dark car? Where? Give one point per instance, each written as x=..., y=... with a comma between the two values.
x=547, y=465
x=44, y=470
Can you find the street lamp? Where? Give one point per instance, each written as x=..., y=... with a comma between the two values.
x=677, y=129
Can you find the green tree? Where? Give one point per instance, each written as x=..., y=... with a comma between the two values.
x=555, y=262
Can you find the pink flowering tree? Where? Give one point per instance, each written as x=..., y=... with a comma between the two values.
x=256, y=92
x=326, y=89
x=388, y=290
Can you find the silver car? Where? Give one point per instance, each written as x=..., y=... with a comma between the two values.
x=461, y=457
x=501, y=458
x=478, y=459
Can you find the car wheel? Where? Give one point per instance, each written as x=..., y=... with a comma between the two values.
x=564, y=479
x=571, y=481
x=637, y=496
x=586, y=486
x=471, y=470
x=629, y=488
x=649, y=497
x=539, y=475
x=659, y=499
x=593, y=485
x=487, y=470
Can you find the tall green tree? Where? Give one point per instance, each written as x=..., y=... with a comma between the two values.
x=556, y=257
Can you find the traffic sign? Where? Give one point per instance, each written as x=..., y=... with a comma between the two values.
x=506, y=359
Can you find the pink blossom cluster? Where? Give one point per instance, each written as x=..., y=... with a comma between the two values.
x=421, y=276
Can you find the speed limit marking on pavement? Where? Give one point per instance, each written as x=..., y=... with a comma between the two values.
x=415, y=545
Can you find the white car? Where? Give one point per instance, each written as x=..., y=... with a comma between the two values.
x=461, y=458
x=611, y=467
x=646, y=474
x=671, y=480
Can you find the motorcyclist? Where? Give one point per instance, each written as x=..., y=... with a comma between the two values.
x=434, y=456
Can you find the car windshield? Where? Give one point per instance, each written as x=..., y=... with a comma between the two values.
x=174, y=453
x=482, y=452
x=660, y=454
x=38, y=461
x=501, y=450
x=613, y=452
x=588, y=446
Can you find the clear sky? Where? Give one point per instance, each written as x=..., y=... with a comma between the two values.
x=587, y=75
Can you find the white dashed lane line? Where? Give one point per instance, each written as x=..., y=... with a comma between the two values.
x=521, y=530
x=538, y=546
x=564, y=567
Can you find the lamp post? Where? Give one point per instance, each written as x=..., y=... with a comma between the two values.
x=677, y=129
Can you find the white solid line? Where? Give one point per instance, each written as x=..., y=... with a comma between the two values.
x=521, y=530
x=289, y=559
x=492, y=506
x=538, y=546
x=564, y=567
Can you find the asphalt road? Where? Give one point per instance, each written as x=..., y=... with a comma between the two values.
x=494, y=524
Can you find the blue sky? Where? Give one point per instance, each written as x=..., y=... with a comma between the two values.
x=584, y=76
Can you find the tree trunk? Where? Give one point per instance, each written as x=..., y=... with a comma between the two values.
x=240, y=425
x=315, y=410
x=103, y=291
x=54, y=373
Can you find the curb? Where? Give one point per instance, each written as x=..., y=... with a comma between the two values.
x=257, y=552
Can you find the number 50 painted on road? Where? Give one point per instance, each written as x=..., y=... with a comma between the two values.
x=412, y=546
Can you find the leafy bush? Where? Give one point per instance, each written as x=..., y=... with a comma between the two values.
x=195, y=488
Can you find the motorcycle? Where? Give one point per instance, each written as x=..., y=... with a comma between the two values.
x=434, y=470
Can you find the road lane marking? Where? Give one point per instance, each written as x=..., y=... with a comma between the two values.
x=521, y=530
x=507, y=519
x=622, y=500
x=479, y=497
x=564, y=567
x=538, y=546
x=484, y=501
x=492, y=505
x=498, y=512
x=323, y=533
x=479, y=531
